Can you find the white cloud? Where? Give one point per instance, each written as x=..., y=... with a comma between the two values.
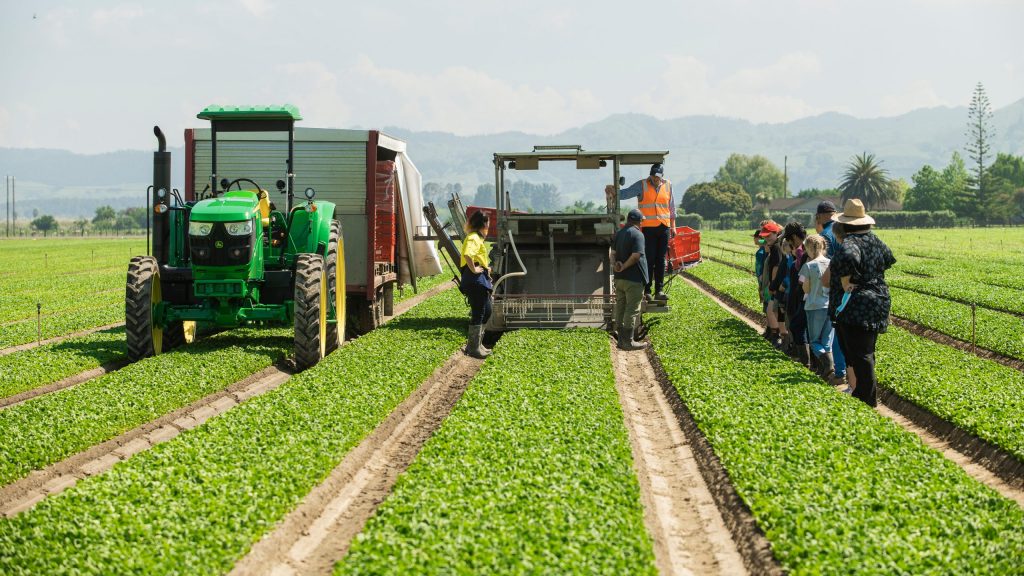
x=258, y=8
x=918, y=94
x=116, y=16
x=463, y=100
x=313, y=88
x=757, y=94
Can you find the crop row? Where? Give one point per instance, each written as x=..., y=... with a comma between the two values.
x=19, y=308
x=835, y=487
x=997, y=331
x=50, y=428
x=974, y=394
x=530, y=473
x=46, y=364
x=42, y=256
x=63, y=323
x=197, y=503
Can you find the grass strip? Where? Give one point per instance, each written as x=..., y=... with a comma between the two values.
x=47, y=364
x=836, y=487
x=52, y=427
x=197, y=503
x=530, y=473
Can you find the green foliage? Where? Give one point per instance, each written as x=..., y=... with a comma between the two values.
x=105, y=216
x=979, y=143
x=197, y=503
x=866, y=180
x=818, y=193
x=695, y=221
x=530, y=473
x=915, y=219
x=47, y=364
x=711, y=199
x=836, y=487
x=45, y=223
x=50, y=428
x=79, y=284
x=755, y=174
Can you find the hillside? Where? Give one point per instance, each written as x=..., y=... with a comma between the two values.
x=67, y=184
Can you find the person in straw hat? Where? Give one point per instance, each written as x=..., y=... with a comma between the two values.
x=859, y=299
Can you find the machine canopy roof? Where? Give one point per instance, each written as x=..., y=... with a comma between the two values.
x=273, y=112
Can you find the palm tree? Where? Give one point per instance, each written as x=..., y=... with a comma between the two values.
x=867, y=180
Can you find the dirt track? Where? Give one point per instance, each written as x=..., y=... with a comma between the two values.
x=689, y=534
x=317, y=533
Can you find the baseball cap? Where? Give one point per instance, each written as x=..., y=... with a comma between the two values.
x=657, y=170
x=826, y=207
x=635, y=215
x=769, y=228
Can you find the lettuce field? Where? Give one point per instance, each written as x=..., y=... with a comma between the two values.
x=398, y=454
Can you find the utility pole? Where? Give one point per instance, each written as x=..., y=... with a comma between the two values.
x=785, y=176
x=14, y=207
x=7, y=199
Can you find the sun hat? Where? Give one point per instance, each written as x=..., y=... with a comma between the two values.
x=769, y=228
x=853, y=214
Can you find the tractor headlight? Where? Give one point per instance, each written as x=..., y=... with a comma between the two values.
x=199, y=228
x=239, y=228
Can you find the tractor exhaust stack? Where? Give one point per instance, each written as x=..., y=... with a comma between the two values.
x=161, y=192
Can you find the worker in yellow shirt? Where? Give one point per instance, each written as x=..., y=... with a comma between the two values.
x=475, y=265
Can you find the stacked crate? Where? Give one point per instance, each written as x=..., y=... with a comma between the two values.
x=384, y=205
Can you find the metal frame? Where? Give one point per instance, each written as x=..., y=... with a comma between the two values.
x=521, y=310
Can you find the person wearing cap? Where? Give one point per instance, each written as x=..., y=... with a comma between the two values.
x=773, y=255
x=794, y=236
x=823, y=223
x=658, y=208
x=858, y=269
x=629, y=263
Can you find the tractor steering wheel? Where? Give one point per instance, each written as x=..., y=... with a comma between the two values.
x=239, y=182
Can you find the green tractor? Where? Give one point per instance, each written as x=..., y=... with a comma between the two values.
x=232, y=258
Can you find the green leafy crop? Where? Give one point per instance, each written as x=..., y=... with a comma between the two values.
x=530, y=473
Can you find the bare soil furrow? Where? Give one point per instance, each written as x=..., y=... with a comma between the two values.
x=689, y=534
x=317, y=533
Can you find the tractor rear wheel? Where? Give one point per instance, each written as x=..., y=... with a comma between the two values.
x=335, y=269
x=142, y=291
x=311, y=308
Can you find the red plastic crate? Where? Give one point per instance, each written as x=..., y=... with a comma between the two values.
x=684, y=247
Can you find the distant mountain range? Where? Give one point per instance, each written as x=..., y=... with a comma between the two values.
x=66, y=184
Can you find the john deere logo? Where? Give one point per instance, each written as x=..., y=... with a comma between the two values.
x=219, y=244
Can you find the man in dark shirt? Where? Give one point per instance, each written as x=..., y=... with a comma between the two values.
x=631, y=275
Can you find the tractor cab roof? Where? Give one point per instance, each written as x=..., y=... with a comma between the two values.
x=251, y=118
x=585, y=159
x=281, y=112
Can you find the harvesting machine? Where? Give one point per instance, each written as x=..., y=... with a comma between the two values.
x=553, y=270
x=232, y=257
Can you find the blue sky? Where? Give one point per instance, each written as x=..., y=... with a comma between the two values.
x=95, y=76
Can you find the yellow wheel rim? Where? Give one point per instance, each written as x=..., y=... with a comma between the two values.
x=189, y=327
x=323, y=314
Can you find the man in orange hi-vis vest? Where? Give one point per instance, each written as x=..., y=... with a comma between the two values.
x=658, y=207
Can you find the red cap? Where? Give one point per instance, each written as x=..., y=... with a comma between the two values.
x=769, y=228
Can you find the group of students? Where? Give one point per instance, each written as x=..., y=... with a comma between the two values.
x=824, y=295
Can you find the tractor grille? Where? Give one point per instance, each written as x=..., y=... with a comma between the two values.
x=221, y=249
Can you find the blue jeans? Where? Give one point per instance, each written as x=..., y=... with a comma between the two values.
x=838, y=358
x=819, y=331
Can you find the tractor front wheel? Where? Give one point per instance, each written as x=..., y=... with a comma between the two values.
x=141, y=293
x=311, y=307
